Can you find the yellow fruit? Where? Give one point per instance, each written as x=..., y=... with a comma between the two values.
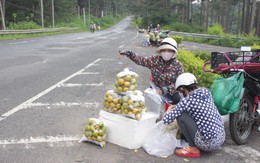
x=106, y=104
x=133, y=81
x=114, y=109
x=112, y=105
x=130, y=102
x=128, y=77
x=135, y=110
x=118, y=106
x=109, y=98
x=100, y=133
x=125, y=89
x=142, y=103
x=125, y=98
x=125, y=105
x=95, y=133
x=92, y=128
x=127, y=84
x=87, y=133
x=138, y=116
x=107, y=93
x=116, y=101
x=121, y=81
x=119, y=89
x=99, y=139
x=132, y=87
x=116, y=84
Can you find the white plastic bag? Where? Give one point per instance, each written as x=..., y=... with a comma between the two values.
x=153, y=101
x=126, y=80
x=161, y=140
x=95, y=132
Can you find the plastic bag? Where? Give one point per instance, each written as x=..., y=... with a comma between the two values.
x=112, y=102
x=133, y=104
x=227, y=92
x=161, y=140
x=126, y=81
x=153, y=101
x=95, y=132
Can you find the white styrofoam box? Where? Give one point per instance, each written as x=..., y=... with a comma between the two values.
x=153, y=101
x=127, y=132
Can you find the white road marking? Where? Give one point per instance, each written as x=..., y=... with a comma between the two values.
x=80, y=85
x=90, y=73
x=35, y=140
x=60, y=104
x=24, y=104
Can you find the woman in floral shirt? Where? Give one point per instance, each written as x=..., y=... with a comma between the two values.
x=165, y=68
x=197, y=117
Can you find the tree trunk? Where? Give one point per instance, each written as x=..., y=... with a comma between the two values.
x=2, y=14
x=238, y=19
x=227, y=15
x=251, y=27
x=243, y=17
x=258, y=20
x=247, y=17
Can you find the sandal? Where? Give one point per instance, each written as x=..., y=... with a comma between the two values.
x=188, y=152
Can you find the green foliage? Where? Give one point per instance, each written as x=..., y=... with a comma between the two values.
x=215, y=29
x=178, y=39
x=255, y=47
x=137, y=21
x=177, y=26
x=194, y=65
x=203, y=55
x=23, y=25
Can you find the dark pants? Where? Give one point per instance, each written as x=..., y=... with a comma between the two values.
x=188, y=127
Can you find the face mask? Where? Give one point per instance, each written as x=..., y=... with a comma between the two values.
x=181, y=94
x=167, y=55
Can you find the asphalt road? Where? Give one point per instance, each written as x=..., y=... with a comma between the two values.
x=50, y=86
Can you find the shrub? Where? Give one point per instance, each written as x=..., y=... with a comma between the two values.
x=255, y=47
x=215, y=29
x=24, y=25
x=178, y=39
x=194, y=65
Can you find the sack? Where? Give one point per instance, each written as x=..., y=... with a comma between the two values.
x=161, y=140
x=227, y=92
x=95, y=132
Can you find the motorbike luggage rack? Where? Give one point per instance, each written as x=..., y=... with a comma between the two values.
x=234, y=58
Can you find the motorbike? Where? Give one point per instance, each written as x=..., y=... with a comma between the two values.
x=247, y=115
x=92, y=28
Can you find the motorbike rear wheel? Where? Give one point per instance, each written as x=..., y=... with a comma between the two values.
x=241, y=122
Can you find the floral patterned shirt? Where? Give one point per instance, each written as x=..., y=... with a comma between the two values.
x=164, y=73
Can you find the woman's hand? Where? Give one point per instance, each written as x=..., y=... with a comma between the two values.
x=171, y=107
x=125, y=52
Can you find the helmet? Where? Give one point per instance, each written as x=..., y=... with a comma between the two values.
x=185, y=79
x=168, y=43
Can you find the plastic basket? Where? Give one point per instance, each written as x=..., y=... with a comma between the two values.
x=235, y=57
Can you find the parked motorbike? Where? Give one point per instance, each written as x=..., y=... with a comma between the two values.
x=247, y=116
